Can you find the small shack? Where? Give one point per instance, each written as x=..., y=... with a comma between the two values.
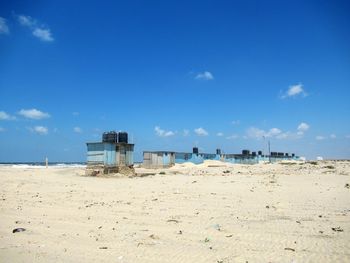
x=113, y=155
x=158, y=159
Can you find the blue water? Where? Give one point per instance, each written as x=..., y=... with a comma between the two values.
x=42, y=164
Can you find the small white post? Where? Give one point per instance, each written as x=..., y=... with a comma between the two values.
x=47, y=162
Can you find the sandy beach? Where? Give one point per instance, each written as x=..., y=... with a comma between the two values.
x=213, y=212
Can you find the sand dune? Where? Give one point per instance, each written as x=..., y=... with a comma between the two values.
x=213, y=212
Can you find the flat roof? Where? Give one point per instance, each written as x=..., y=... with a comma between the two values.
x=158, y=152
x=116, y=143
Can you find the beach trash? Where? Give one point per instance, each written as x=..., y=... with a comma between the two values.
x=20, y=229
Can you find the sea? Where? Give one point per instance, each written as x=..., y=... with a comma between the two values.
x=40, y=165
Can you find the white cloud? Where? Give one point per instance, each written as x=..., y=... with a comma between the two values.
x=34, y=114
x=347, y=136
x=5, y=116
x=302, y=127
x=220, y=134
x=201, y=132
x=259, y=133
x=255, y=133
x=40, y=31
x=232, y=137
x=333, y=136
x=320, y=138
x=75, y=113
x=43, y=34
x=206, y=75
x=27, y=21
x=2, y=129
x=4, y=29
x=77, y=130
x=273, y=132
x=163, y=133
x=186, y=132
x=39, y=130
x=294, y=91
x=236, y=122
x=276, y=133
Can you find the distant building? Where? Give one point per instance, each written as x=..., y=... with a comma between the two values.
x=158, y=159
x=113, y=155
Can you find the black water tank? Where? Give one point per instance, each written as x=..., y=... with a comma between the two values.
x=280, y=154
x=123, y=137
x=293, y=154
x=218, y=151
x=111, y=136
x=253, y=153
x=273, y=153
x=245, y=152
x=195, y=150
x=259, y=152
x=286, y=154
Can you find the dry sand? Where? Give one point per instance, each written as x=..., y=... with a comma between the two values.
x=212, y=212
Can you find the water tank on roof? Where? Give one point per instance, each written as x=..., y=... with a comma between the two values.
x=245, y=152
x=195, y=150
x=253, y=153
x=111, y=136
x=259, y=152
x=123, y=137
x=218, y=151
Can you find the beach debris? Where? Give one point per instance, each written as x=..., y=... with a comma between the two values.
x=230, y=235
x=153, y=236
x=180, y=232
x=217, y=227
x=298, y=222
x=173, y=220
x=155, y=199
x=206, y=240
x=290, y=249
x=194, y=182
x=337, y=229
x=103, y=247
x=347, y=186
x=20, y=229
x=267, y=207
x=319, y=216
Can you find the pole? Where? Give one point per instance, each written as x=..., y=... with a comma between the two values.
x=269, y=153
x=47, y=162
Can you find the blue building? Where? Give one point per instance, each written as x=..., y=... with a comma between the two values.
x=112, y=155
x=158, y=159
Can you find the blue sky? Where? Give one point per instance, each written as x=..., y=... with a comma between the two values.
x=174, y=74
